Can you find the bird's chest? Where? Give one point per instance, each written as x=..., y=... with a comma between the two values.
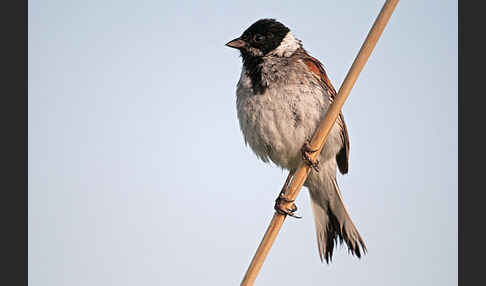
x=277, y=122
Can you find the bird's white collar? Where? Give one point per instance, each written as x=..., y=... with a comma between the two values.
x=287, y=47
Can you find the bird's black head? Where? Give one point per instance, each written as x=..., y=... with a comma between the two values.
x=261, y=38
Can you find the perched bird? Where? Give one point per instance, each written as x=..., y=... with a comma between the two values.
x=282, y=95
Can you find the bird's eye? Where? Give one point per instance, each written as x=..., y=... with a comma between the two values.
x=258, y=38
x=245, y=37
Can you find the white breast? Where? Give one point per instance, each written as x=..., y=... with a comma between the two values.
x=276, y=123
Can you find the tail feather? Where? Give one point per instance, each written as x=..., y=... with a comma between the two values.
x=333, y=223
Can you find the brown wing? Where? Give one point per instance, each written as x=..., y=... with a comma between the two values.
x=316, y=67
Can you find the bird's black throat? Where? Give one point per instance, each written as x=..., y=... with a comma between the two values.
x=253, y=68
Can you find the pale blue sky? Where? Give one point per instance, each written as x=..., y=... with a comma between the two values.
x=138, y=173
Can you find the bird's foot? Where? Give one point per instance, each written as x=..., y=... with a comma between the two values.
x=282, y=198
x=284, y=211
x=306, y=150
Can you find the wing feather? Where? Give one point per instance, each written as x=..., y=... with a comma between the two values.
x=316, y=67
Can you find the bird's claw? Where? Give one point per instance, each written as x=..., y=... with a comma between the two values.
x=278, y=207
x=306, y=150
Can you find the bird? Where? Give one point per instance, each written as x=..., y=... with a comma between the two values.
x=282, y=95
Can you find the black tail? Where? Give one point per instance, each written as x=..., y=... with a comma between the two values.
x=333, y=223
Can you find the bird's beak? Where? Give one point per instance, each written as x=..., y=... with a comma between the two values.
x=236, y=43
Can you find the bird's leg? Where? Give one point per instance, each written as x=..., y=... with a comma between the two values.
x=282, y=198
x=306, y=150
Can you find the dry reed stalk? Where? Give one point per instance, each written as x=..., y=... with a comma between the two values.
x=319, y=139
